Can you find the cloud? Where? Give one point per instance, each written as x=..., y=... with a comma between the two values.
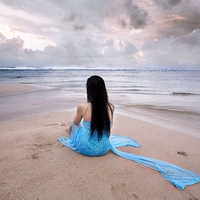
x=193, y=38
x=167, y=4
x=71, y=16
x=129, y=49
x=188, y=9
x=177, y=19
x=11, y=51
x=138, y=17
x=123, y=23
x=175, y=51
x=79, y=27
x=2, y=38
x=84, y=52
x=11, y=45
x=85, y=32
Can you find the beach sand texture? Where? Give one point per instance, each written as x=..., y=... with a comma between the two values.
x=34, y=165
x=12, y=88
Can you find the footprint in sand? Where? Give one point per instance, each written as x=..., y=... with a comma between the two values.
x=35, y=151
x=40, y=148
x=182, y=153
x=35, y=156
x=119, y=192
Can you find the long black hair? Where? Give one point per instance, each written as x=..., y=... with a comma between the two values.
x=97, y=96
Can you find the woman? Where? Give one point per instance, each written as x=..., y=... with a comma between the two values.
x=92, y=137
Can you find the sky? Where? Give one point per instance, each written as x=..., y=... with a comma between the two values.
x=100, y=33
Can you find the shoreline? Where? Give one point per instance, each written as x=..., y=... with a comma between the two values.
x=49, y=103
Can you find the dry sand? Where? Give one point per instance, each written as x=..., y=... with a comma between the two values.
x=34, y=165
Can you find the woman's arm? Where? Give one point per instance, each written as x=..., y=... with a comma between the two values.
x=111, y=111
x=79, y=114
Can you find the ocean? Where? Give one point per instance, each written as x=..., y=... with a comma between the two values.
x=170, y=95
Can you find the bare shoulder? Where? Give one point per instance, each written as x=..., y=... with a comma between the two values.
x=79, y=113
x=112, y=107
x=82, y=107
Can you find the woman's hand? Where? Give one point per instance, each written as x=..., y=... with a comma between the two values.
x=69, y=127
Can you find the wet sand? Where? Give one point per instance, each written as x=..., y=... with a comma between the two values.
x=12, y=88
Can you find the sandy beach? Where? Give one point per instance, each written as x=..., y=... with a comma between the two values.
x=34, y=165
x=12, y=88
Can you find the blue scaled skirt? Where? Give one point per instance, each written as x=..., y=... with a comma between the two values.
x=82, y=142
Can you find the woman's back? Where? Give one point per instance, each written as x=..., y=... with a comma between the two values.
x=87, y=144
x=87, y=111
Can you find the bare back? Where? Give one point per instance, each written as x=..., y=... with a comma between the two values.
x=84, y=111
